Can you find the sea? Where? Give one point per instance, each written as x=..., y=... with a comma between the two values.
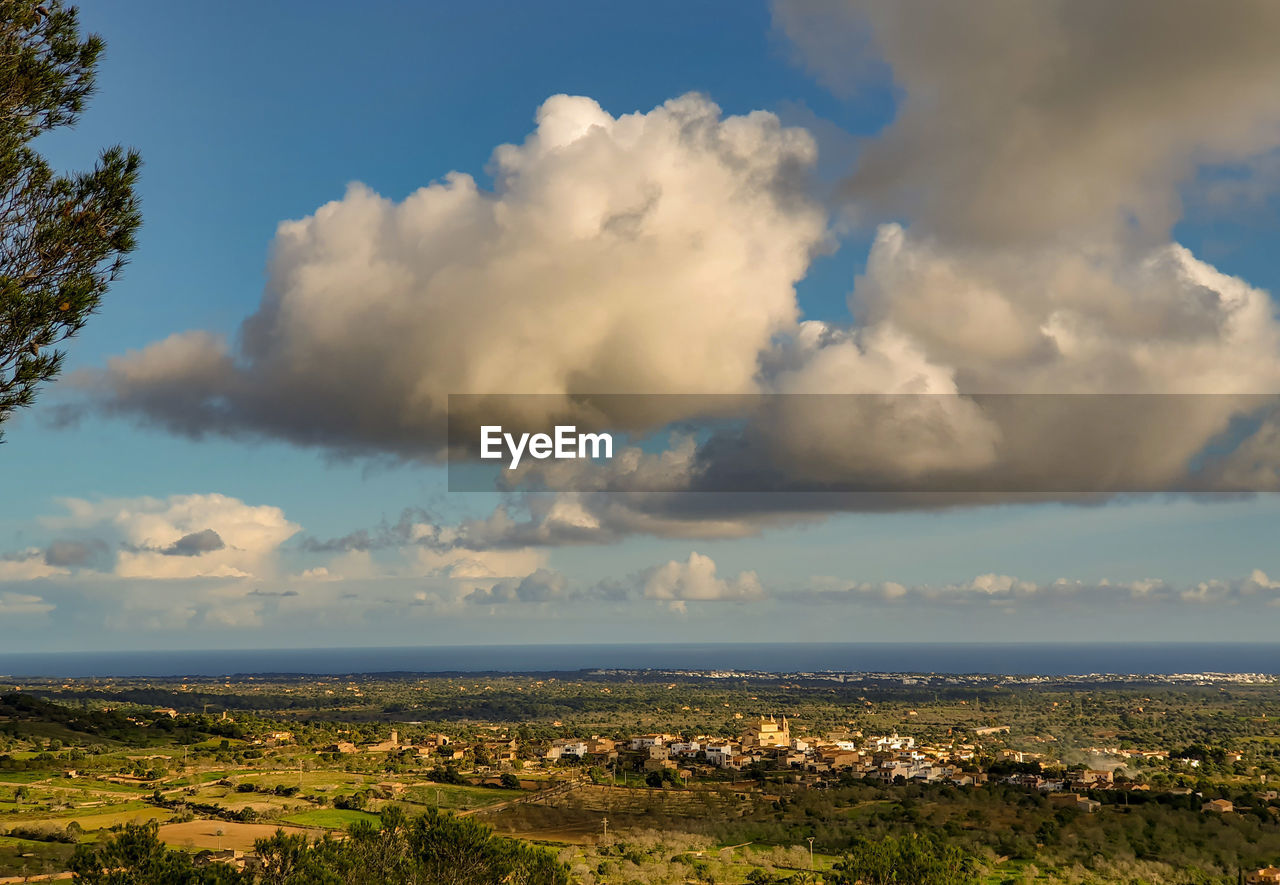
x=1039, y=658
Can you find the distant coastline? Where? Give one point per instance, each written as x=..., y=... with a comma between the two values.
x=1048, y=659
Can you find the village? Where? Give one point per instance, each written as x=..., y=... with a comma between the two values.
x=767, y=748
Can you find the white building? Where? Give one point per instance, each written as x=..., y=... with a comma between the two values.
x=893, y=743
x=645, y=741
x=720, y=754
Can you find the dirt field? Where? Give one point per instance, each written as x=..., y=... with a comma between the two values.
x=204, y=834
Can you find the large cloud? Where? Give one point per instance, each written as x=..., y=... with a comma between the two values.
x=1048, y=120
x=650, y=253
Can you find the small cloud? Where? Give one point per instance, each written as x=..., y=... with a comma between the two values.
x=77, y=554
x=27, y=565
x=195, y=544
x=542, y=585
x=14, y=604
x=696, y=581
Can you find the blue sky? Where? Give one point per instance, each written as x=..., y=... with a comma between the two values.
x=247, y=116
x=245, y=120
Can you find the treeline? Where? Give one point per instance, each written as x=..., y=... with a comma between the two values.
x=17, y=708
x=434, y=848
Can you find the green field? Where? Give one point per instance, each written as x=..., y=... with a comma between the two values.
x=453, y=797
x=22, y=777
x=331, y=818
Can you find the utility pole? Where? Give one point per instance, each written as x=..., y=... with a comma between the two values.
x=811, y=857
x=605, y=822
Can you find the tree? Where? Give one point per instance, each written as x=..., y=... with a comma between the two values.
x=63, y=238
x=432, y=848
x=909, y=860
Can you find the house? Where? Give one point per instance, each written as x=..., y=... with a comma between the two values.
x=1093, y=777
x=927, y=774
x=1083, y=803
x=717, y=754
x=231, y=856
x=1218, y=806
x=835, y=757
x=890, y=770
x=569, y=747
x=645, y=741
x=1264, y=876
x=893, y=743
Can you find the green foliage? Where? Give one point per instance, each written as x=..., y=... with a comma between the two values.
x=906, y=860
x=435, y=848
x=63, y=238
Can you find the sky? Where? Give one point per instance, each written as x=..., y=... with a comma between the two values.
x=351, y=214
